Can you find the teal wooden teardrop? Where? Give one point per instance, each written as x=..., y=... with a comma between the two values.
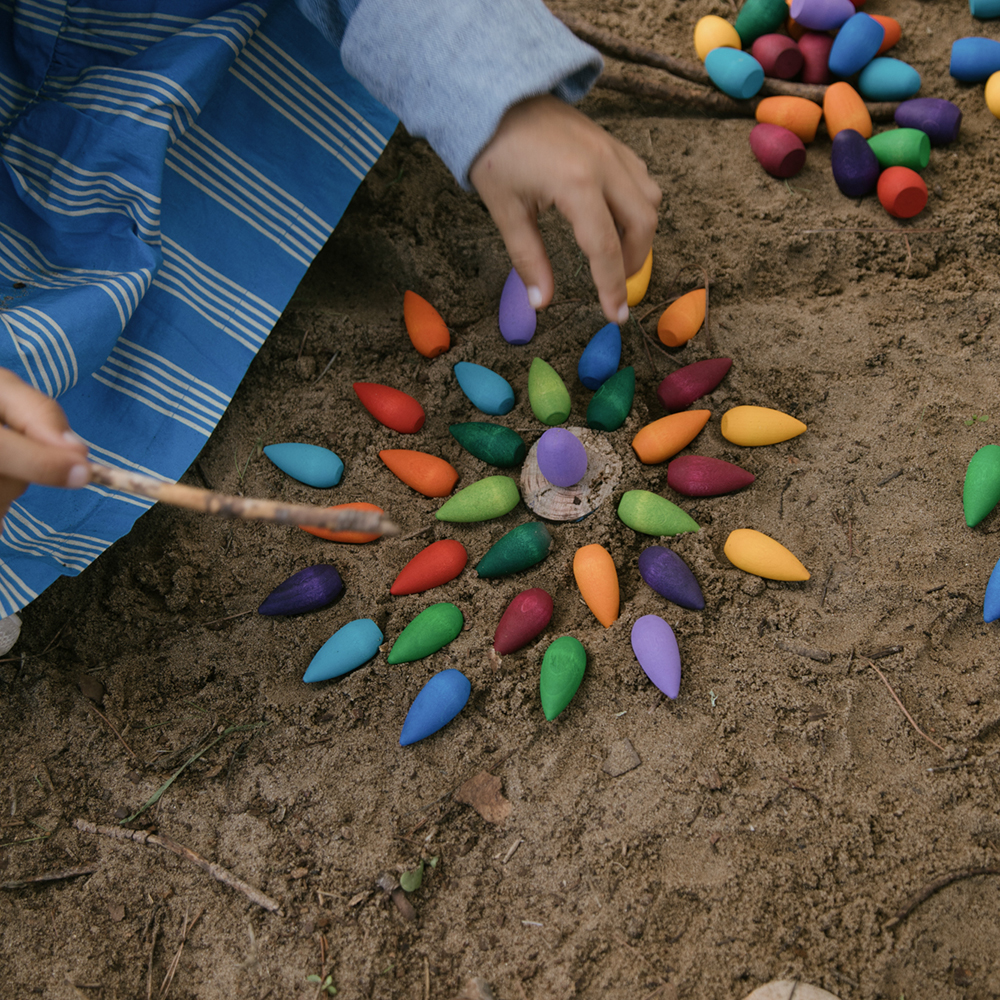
x=493, y=443
x=522, y=547
x=612, y=403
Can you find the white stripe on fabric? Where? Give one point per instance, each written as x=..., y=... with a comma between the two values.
x=44, y=16
x=14, y=592
x=13, y=96
x=112, y=458
x=119, y=385
x=44, y=349
x=25, y=533
x=122, y=497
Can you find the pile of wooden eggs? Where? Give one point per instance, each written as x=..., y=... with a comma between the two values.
x=827, y=43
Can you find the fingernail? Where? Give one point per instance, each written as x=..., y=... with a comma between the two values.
x=623, y=315
x=78, y=476
x=535, y=296
x=74, y=439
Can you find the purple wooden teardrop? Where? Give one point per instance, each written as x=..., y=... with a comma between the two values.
x=854, y=163
x=668, y=574
x=701, y=476
x=517, y=315
x=307, y=590
x=682, y=387
x=525, y=618
x=655, y=647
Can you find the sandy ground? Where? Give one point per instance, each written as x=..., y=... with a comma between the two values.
x=775, y=817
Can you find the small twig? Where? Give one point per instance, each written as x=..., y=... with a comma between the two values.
x=50, y=877
x=172, y=970
x=152, y=951
x=895, y=698
x=889, y=479
x=928, y=891
x=217, y=872
x=329, y=365
x=91, y=707
x=228, y=618
x=224, y=505
x=863, y=229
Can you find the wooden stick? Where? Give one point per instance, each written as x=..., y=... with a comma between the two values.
x=50, y=877
x=928, y=891
x=162, y=840
x=193, y=498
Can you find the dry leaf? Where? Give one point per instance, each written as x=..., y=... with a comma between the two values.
x=621, y=759
x=116, y=911
x=359, y=898
x=789, y=989
x=483, y=793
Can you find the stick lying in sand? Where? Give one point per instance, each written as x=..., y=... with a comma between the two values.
x=193, y=498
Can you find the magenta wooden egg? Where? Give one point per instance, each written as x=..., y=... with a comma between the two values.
x=525, y=618
x=561, y=457
x=815, y=48
x=778, y=54
x=701, y=476
x=683, y=386
x=779, y=151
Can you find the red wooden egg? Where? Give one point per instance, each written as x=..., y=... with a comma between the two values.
x=682, y=387
x=440, y=562
x=701, y=476
x=815, y=48
x=391, y=407
x=778, y=54
x=902, y=192
x=780, y=152
x=525, y=618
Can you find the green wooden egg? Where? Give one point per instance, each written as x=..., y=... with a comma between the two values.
x=547, y=393
x=433, y=628
x=493, y=443
x=652, y=514
x=613, y=401
x=491, y=497
x=562, y=671
x=981, y=492
x=522, y=547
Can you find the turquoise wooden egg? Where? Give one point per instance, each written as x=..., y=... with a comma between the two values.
x=486, y=390
x=308, y=463
x=348, y=648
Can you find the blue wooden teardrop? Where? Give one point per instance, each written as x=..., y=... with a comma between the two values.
x=308, y=463
x=437, y=703
x=486, y=390
x=991, y=603
x=346, y=650
x=600, y=357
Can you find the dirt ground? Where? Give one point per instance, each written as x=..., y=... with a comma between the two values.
x=768, y=824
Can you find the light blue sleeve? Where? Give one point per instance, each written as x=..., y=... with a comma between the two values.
x=450, y=69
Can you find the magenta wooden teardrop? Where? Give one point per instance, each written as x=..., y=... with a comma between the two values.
x=525, y=618
x=778, y=150
x=683, y=386
x=701, y=476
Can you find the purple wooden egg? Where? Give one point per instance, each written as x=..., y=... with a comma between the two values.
x=562, y=459
x=778, y=150
x=310, y=589
x=701, y=476
x=815, y=48
x=821, y=15
x=517, y=315
x=778, y=54
x=937, y=117
x=655, y=647
x=525, y=618
x=668, y=574
x=683, y=386
x=854, y=163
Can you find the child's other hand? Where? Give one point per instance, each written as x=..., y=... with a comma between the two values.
x=547, y=153
x=36, y=444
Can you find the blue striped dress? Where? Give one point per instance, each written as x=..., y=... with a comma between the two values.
x=169, y=173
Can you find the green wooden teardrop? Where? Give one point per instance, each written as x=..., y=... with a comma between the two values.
x=654, y=515
x=491, y=497
x=981, y=491
x=547, y=393
x=562, y=671
x=522, y=547
x=613, y=401
x=493, y=443
x=433, y=628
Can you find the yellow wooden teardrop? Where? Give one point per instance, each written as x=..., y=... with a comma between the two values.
x=757, y=425
x=757, y=553
x=635, y=287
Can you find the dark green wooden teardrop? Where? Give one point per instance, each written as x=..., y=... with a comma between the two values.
x=433, y=628
x=522, y=547
x=493, y=443
x=613, y=401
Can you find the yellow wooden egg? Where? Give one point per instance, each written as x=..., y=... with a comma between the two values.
x=759, y=554
x=713, y=32
x=682, y=319
x=635, y=287
x=757, y=425
x=993, y=93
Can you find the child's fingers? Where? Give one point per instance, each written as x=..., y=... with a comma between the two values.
x=634, y=204
x=24, y=461
x=519, y=229
x=34, y=414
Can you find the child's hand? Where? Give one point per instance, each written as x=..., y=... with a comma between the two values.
x=547, y=153
x=36, y=444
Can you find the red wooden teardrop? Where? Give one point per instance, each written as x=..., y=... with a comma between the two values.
x=440, y=562
x=701, y=476
x=391, y=407
x=683, y=386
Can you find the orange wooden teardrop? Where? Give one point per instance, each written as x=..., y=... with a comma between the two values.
x=354, y=537
x=661, y=439
x=428, y=331
x=597, y=579
x=427, y=474
x=682, y=319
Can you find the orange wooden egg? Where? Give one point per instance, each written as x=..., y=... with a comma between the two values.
x=902, y=192
x=427, y=474
x=354, y=537
x=636, y=285
x=427, y=330
x=794, y=29
x=797, y=114
x=682, y=319
x=440, y=562
x=597, y=579
x=663, y=438
x=844, y=107
x=893, y=32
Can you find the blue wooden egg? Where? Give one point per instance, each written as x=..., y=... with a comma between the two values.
x=991, y=603
x=734, y=72
x=486, y=390
x=561, y=457
x=856, y=44
x=308, y=463
x=600, y=357
x=975, y=59
x=939, y=118
x=347, y=649
x=887, y=79
x=436, y=704
x=655, y=647
x=517, y=315
x=855, y=165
